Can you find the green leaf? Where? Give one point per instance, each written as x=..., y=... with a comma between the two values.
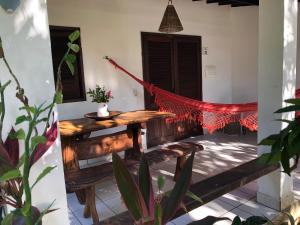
x=26, y=208
x=291, y=108
x=29, y=109
x=194, y=197
x=145, y=185
x=58, y=97
x=2, y=87
x=45, y=172
x=256, y=220
x=74, y=36
x=161, y=181
x=179, y=191
x=71, y=67
x=20, y=134
x=129, y=190
x=294, y=101
x=237, y=221
x=10, y=175
x=71, y=58
x=8, y=219
x=74, y=47
x=43, y=213
x=37, y=140
x=21, y=119
x=270, y=140
x=158, y=214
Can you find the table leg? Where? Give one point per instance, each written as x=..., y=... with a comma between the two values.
x=135, y=153
x=71, y=162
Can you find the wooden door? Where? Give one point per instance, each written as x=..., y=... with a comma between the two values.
x=173, y=63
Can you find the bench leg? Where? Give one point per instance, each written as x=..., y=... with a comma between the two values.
x=180, y=162
x=80, y=196
x=90, y=205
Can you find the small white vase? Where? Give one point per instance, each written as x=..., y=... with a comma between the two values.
x=102, y=110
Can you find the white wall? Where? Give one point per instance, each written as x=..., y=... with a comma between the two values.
x=244, y=42
x=113, y=28
x=25, y=36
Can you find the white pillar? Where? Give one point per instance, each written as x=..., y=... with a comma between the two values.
x=276, y=82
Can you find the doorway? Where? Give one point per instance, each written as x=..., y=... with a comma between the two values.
x=172, y=63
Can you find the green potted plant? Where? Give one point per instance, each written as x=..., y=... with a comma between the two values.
x=15, y=186
x=101, y=96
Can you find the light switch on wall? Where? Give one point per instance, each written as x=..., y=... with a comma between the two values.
x=210, y=71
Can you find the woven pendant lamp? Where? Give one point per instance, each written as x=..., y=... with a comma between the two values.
x=170, y=22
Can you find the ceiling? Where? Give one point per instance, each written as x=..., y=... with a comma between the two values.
x=233, y=3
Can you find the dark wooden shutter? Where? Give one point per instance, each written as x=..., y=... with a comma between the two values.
x=188, y=71
x=73, y=85
x=173, y=63
x=158, y=62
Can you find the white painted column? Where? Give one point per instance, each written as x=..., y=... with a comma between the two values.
x=276, y=82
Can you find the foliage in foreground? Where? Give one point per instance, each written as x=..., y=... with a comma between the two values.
x=139, y=198
x=15, y=169
x=285, y=145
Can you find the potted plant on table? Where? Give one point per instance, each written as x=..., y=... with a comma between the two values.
x=101, y=96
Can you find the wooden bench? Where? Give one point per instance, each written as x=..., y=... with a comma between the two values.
x=179, y=151
x=85, y=180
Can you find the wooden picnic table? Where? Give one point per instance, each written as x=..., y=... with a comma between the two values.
x=78, y=145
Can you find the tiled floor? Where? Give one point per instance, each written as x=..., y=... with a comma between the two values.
x=222, y=152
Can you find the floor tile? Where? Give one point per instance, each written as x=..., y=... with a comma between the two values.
x=72, y=218
x=107, y=192
x=116, y=205
x=257, y=209
x=103, y=211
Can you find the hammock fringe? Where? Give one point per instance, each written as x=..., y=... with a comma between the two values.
x=212, y=116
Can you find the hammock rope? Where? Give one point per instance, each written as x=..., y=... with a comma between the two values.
x=212, y=116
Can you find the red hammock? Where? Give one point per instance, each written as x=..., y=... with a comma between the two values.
x=212, y=116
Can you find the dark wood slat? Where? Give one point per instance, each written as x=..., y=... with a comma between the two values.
x=214, y=187
x=103, y=145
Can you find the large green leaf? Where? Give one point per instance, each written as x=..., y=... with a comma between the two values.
x=161, y=180
x=209, y=220
x=36, y=140
x=74, y=36
x=19, y=134
x=45, y=172
x=74, y=47
x=71, y=67
x=179, y=191
x=256, y=220
x=10, y=175
x=145, y=185
x=8, y=219
x=290, y=108
x=158, y=214
x=294, y=101
x=6, y=163
x=237, y=221
x=129, y=190
x=2, y=87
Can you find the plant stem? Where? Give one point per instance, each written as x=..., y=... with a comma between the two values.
x=26, y=171
x=20, y=94
x=57, y=88
x=2, y=114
